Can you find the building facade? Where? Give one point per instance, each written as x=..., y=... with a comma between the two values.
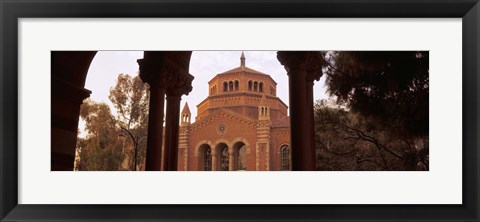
x=241, y=125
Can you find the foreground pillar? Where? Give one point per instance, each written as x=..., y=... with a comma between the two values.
x=150, y=73
x=179, y=83
x=302, y=68
x=171, y=132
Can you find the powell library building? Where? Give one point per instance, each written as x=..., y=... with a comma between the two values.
x=241, y=125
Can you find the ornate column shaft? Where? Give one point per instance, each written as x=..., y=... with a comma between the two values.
x=302, y=68
x=171, y=132
x=150, y=73
x=179, y=83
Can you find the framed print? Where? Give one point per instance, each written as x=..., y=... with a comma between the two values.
x=48, y=48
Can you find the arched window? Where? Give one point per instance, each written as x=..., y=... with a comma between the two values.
x=255, y=86
x=213, y=91
x=230, y=86
x=207, y=159
x=225, y=86
x=260, y=87
x=236, y=85
x=284, y=158
x=224, y=159
x=241, y=158
x=250, y=85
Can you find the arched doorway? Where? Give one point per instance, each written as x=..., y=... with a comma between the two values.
x=222, y=156
x=205, y=157
x=240, y=156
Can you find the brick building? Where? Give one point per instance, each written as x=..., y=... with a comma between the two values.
x=241, y=125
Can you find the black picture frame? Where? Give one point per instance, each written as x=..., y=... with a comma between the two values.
x=11, y=11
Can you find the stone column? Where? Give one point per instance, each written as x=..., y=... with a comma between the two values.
x=150, y=72
x=179, y=83
x=231, y=161
x=302, y=68
x=171, y=132
x=214, y=160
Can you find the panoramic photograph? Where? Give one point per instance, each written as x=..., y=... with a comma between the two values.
x=240, y=110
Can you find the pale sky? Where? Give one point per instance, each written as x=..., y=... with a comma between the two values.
x=204, y=65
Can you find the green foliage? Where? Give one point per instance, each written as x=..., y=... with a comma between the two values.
x=102, y=149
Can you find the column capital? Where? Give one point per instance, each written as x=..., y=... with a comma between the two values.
x=178, y=84
x=166, y=74
x=151, y=72
x=307, y=62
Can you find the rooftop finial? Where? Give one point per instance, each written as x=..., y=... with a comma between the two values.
x=242, y=60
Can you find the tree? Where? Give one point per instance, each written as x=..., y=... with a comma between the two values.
x=130, y=97
x=349, y=141
x=389, y=87
x=102, y=149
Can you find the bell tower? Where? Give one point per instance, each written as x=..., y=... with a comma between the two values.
x=263, y=136
x=183, y=142
x=185, y=116
x=263, y=109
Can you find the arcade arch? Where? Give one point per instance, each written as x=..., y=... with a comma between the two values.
x=69, y=71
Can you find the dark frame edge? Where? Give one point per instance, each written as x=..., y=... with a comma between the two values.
x=470, y=119
x=8, y=112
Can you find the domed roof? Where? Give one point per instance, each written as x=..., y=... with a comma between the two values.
x=243, y=69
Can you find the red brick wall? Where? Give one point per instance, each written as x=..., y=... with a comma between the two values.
x=238, y=110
